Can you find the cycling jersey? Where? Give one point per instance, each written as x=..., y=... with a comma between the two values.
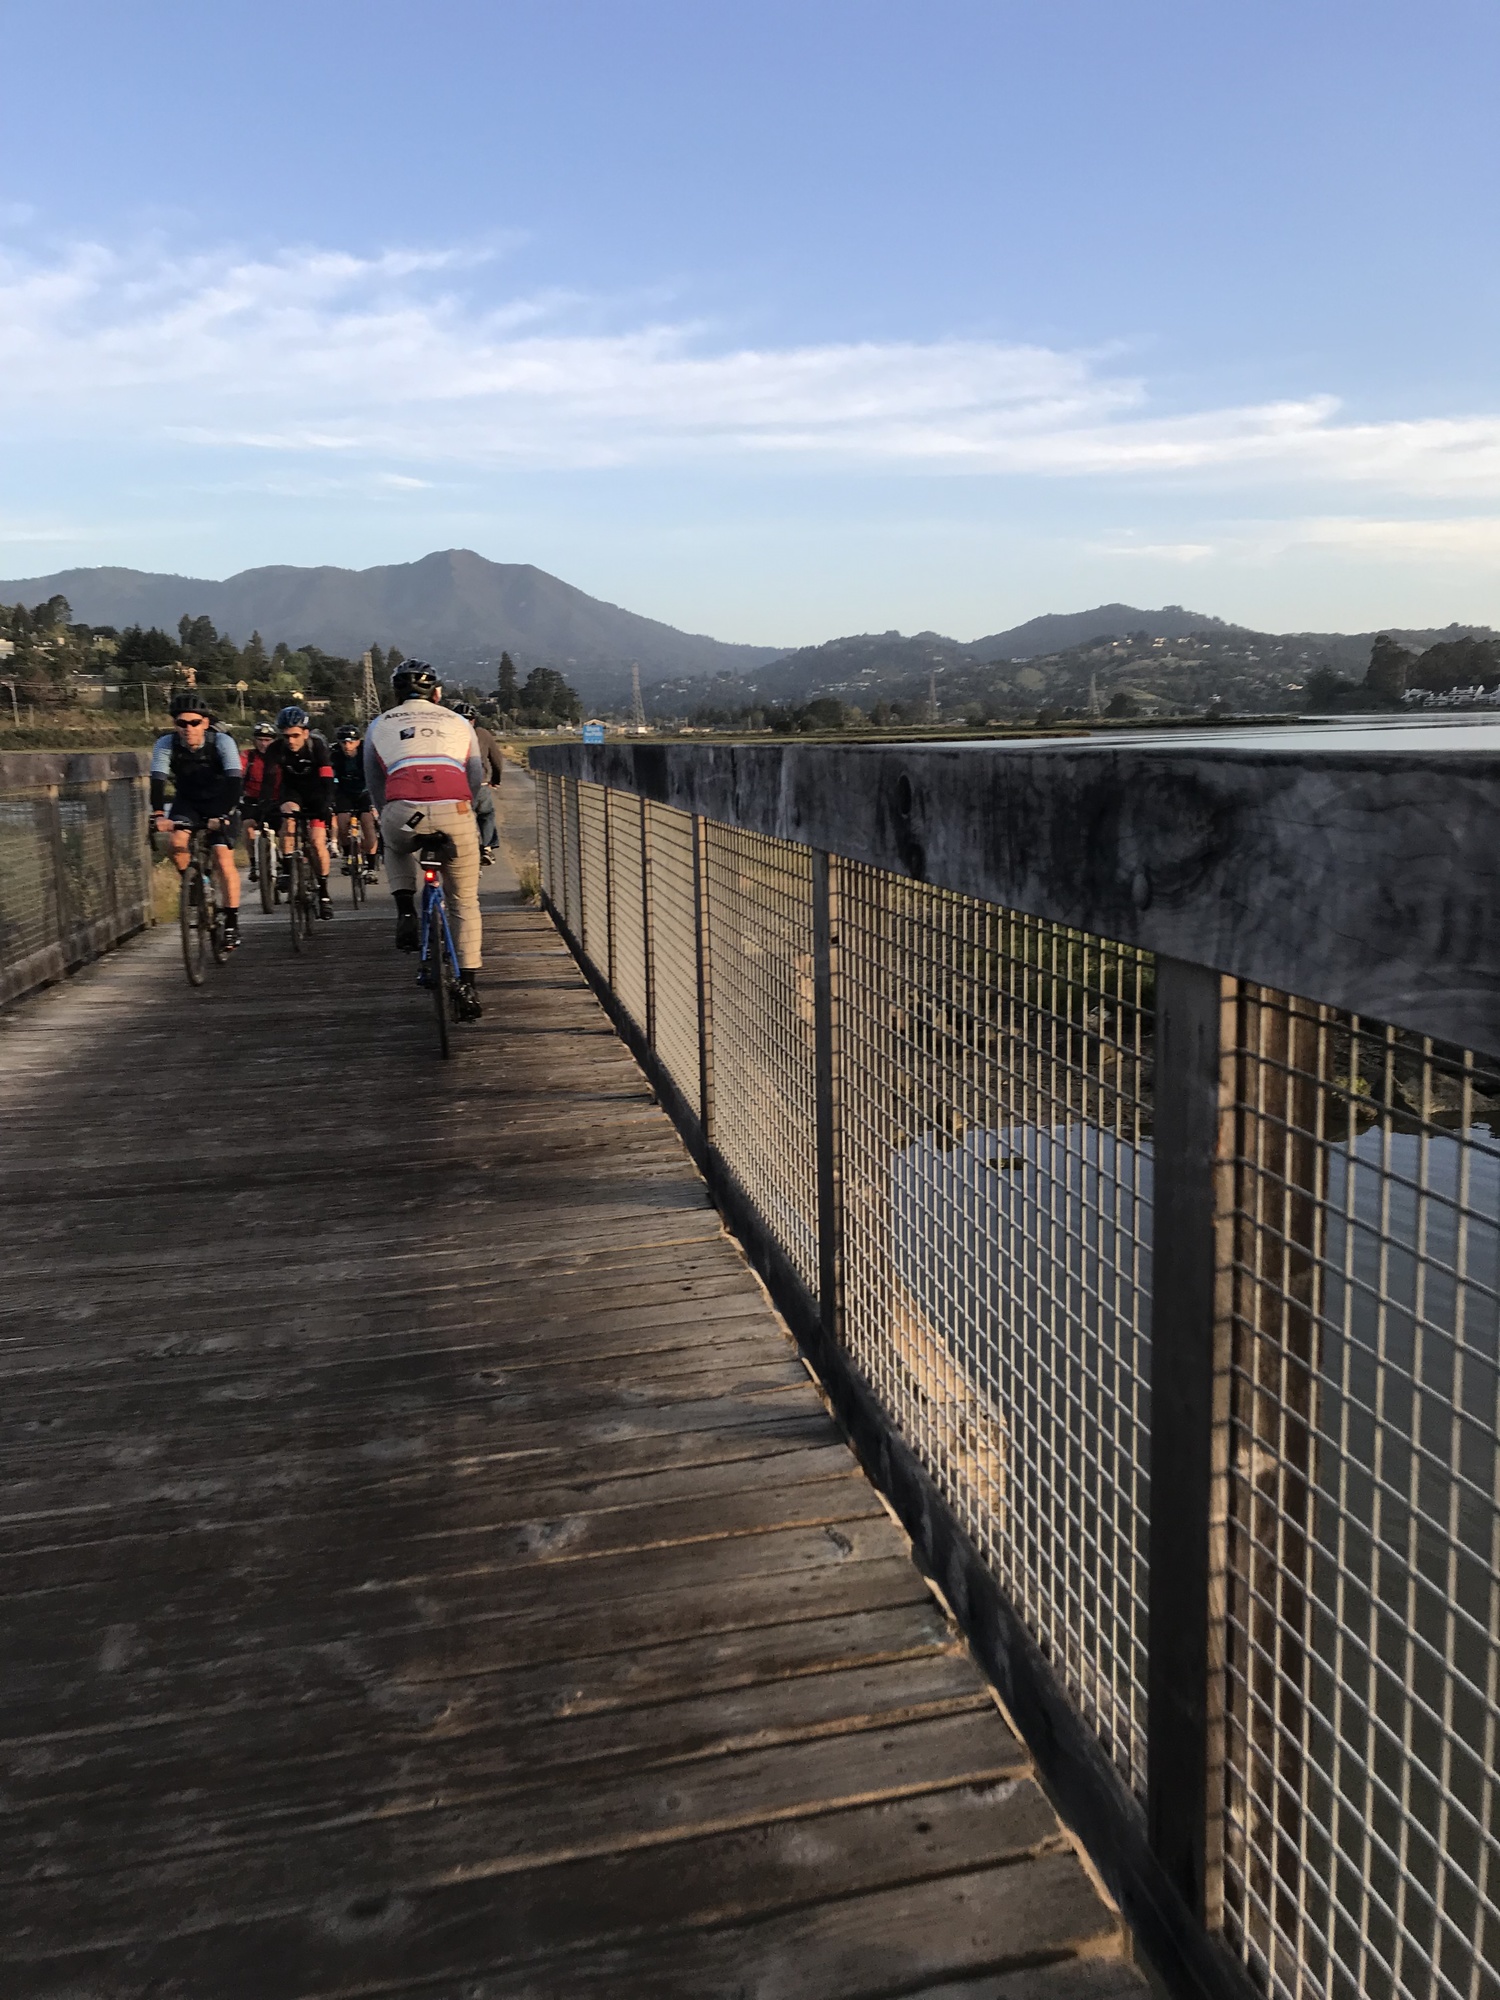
x=255, y=765
x=205, y=781
x=420, y=751
x=350, y=791
x=294, y=777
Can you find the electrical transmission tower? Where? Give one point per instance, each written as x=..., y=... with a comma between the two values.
x=637, y=706
x=369, y=700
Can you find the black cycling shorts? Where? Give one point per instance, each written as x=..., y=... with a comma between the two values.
x=192, y=817
x=345, y=801
x=309, y=795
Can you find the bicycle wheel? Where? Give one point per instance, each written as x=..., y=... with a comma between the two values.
x=440, y=972
x=298, y=868
x=357, y=873
x=190, y=915
x=213, y=917
x=265, y=862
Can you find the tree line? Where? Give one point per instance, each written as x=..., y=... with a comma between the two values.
x=1396, y=671
x=49, y=650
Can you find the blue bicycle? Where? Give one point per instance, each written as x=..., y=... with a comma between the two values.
x=439, y=967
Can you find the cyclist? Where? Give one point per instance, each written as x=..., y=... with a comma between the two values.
x=296, y=776
x=423, y=768
x=202, y=764
x=265, y=736
x=494, y=771
x=351, y=795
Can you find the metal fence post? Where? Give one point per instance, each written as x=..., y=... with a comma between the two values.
x=648, y=953
x=62, y=901
x=705, y=980
x=1188, y=1325
x=825, y=1041
x=609, y=889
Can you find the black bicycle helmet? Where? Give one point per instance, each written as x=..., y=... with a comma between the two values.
x=292, y=717
x=185, y=702
x=265, y=729
x=350, y=733
x=415, y=677
x=466, y=709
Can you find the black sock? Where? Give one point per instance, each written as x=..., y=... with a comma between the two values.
x=406, y=902
x=469, y=974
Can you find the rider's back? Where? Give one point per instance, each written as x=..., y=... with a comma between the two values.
x=420, y=751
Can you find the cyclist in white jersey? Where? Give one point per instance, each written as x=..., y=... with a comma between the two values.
x=423, y=768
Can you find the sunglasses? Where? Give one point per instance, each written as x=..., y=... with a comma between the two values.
x=191, y=721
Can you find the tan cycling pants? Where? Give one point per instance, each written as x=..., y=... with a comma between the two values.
x=403, y=823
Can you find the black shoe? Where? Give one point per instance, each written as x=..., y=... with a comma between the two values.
x=325, y=902
x=486, y=857
x=284, y=883
x=467, y=1005
x=254, y=873
x=408, y=936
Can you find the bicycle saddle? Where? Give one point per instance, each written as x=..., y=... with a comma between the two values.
x=437, y=847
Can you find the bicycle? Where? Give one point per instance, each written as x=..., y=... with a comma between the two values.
x=352, y=849
x=302, y=876
x=265, y=867
x=199, y=917
x=438, y=969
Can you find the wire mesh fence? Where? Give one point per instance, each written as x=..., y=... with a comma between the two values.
x=996, y=1172
x=987, y=1089
x=760, y=945
x=593, y=864
x=627, y=876
x=74, y=871
x=674, y=945
x=1361, y=1505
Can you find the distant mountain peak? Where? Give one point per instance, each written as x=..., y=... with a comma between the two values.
x=452, y=606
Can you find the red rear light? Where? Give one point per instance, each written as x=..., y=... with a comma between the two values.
x=430, y=874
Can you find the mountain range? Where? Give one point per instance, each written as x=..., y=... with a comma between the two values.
x=460, y=610
x=454, y=608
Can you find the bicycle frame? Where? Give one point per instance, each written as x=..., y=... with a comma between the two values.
x=433, y=893
x=441, y=978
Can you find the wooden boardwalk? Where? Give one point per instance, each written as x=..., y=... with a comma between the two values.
x=425, y=1566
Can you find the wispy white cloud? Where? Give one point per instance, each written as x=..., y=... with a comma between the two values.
x=1463, y=538
x=399, y=357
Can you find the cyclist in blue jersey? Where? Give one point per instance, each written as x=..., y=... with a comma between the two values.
x=202, y=765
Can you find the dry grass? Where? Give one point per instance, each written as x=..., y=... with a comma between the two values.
x=530, y=880
x=165, y=888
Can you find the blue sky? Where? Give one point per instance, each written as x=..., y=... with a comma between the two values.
x=776, y=321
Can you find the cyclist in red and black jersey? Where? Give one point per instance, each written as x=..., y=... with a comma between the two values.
x=250, y=811
x=296, y=775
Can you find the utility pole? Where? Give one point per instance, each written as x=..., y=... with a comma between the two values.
x=637, y=706
x=932, y=694
x=1093, y=694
